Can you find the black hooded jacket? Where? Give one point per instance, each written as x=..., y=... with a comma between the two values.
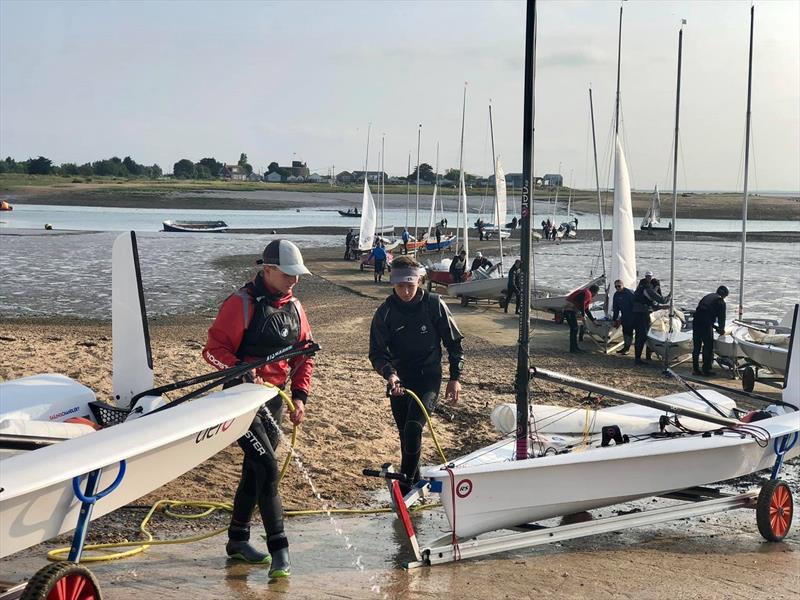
x=407, y=338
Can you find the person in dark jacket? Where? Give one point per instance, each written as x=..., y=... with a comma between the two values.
x=458, y=267
x=622, y=306
x=514, y=287
x=480, y=262
x=438, y=234
x=710, y=309
x=405, y=237
x=262, y=317
x=645, y=300
x=577, y=304
x=405, y=347
x=347, y=242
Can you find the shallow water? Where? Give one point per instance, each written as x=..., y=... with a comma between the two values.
x=54, y=274
x=85, y=218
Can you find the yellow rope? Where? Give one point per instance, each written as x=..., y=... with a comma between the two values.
x=208, y=508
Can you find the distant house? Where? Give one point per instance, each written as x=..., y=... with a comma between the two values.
x=551, y=179
x=372, y=176
x=295, y=179
x=273, y=177
x=344, y=177
x=234, y=172
x=512, y=180
x=254, y=177
x=315, y=178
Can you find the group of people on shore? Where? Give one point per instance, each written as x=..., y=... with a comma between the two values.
x=550, y=231
x=632, y=310
x=406, y=337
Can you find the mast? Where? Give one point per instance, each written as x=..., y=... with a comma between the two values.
x=408, y=188
x=674, y=196
x=461, y=193
x=416, y=212
x=599, y=199
x=523, y=344
x=383, y=183
x=746, y=164
x=497, y=223
x=619, y=61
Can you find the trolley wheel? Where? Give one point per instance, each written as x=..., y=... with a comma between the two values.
x=774, y=510
x=464, y=300
x=62, y=581
x=748, y=379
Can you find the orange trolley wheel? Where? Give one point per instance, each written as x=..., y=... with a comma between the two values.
x=62, y=581
x=774, y=510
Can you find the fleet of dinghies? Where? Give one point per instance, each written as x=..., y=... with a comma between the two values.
x=557, y=461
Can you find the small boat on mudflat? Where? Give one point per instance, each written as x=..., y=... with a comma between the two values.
x=350, y=213
x=195, y=226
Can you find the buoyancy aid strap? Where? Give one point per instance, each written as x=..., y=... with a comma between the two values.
x=245, y=307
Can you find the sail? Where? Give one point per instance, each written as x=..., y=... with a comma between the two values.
x=501, y=207
x=655, y=209
x=623, y=245
x=433, y=212
x=463, y=202
x=366, y=232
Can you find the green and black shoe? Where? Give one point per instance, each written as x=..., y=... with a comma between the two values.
x=281, y=566
x=242, y=550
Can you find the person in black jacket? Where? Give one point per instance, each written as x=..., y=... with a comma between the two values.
x=458, y=267
x=514, y=287
x=646, y=299
x=405, y=340
x=622, y=305
x=710, y=309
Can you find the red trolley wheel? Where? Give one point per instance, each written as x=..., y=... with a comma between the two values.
x=774, y=510
x=62, y=581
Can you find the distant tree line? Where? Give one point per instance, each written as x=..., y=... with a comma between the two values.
x=206, y=168
x=126, y=167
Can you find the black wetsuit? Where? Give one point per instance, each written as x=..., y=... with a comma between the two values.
x=645, y=300
x=711, y=308
x=406, y=339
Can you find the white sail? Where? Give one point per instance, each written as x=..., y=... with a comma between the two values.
x=433, y=212
x=623, y=245
x=465, y=243
x=366, y=232
x=653, y=216
x=501, y=207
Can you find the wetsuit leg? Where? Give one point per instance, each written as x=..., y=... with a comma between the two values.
x=707, y=335
x=641, y=324
x=572, y=319
x=259, y=482
x=697, y=343
x=410, y=422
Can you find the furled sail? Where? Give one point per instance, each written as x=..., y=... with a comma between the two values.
x=433, y=212
x=366, y=232
x=463, y=203
x=502, y=202
x=623, y=246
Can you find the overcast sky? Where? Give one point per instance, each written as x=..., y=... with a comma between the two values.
x=161, y=81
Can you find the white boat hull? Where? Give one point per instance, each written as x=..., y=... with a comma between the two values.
x=480, y=495
x=37, y=502
x=770, y=356
x=490, y=288
x=673, y=344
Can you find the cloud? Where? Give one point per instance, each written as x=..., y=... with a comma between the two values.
x=586, y=57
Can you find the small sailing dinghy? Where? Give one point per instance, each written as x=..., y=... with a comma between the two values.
x=67, y=459
x=534, y=474
x=195, y=226
x=652, y=218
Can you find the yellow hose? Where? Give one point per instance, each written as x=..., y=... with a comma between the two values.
x=207, y=508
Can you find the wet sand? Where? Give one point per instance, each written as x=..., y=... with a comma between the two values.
x=349, y=427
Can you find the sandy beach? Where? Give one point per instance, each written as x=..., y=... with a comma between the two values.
x=349, y=424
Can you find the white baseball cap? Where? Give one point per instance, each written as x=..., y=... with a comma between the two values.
x=286, y=256
x=478, y=255
x=648, y=273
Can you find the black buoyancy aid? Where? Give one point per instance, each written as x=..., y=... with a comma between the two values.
x=414, y=339
x=270, y=328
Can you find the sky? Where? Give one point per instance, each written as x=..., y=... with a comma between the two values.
x=162, y=81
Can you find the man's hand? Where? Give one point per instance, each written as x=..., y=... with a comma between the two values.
x=299, y=412
x=453, y=391
x=396, y=389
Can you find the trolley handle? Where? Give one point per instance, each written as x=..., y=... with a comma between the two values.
x=76, y=486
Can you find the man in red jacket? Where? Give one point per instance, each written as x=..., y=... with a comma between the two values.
x=259, y=319
x=578, y=303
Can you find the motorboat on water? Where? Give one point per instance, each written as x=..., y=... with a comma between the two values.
x=195, y=226
x=4, y=206
x=350, y=212
x=67, y=458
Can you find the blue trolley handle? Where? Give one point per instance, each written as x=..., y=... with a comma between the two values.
x=782, y=445
x=76, y=486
